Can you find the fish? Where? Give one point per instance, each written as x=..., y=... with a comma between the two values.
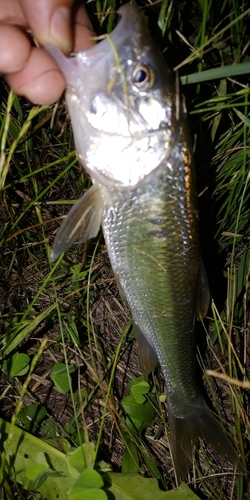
x=132, y=137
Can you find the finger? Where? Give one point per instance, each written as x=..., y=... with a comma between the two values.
x=15, y=50
x=11, y=13
x=50, y=21
x=40, y=80
x=82, y=30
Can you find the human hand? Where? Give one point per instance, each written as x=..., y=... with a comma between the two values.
x=29, y=70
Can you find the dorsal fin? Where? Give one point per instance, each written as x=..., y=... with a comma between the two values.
x=203, y=296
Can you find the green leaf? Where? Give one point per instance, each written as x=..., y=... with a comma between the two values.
x=60, y=376
x=40, y=478
x=164, y=16
x=138, y=390
x=30, y=417
x=42, y=459
x=152, y=467
x=23, y=330
x=135, y=487
x=22, y=452
x=81, y=456
x=16, y=365
x=134, y=381
x=88, y=486
x=92, y=494
x=162, y=398
x=76, y=459
x=59, y=443
x=216, y=73
x=130, y=462
x=140, y=415
x=242, y=117
x=34, y=470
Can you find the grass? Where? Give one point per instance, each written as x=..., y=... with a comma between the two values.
x=67, y=348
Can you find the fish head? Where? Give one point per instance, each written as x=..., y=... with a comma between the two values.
x=120, y=97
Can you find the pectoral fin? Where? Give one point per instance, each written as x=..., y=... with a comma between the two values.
x=203, y=294
x=147, y=355
x=82, y=222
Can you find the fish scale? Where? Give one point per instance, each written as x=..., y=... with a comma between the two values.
x=154, y=272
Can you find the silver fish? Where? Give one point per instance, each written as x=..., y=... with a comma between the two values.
x=131, y=136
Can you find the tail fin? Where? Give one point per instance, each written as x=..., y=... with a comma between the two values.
x=184, y=434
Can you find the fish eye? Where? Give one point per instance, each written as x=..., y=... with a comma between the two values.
x=143, y=77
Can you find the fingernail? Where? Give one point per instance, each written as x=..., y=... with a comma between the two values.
x=60, y=29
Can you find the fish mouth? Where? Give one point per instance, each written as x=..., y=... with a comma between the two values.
x=129, y=25
x=76, y=69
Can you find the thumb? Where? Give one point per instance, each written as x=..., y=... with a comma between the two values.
x=50, y=21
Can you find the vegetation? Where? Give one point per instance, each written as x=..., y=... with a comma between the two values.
x=68, y=360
